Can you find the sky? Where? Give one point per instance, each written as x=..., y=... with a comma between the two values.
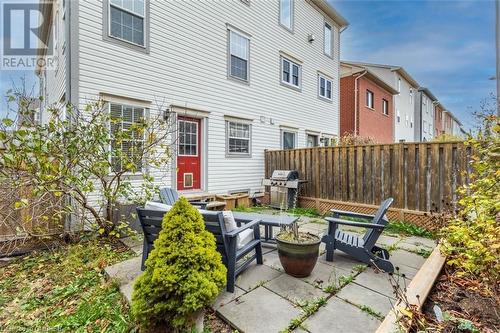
x=447, y=46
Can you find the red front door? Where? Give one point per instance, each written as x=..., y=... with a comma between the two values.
x=189, y=154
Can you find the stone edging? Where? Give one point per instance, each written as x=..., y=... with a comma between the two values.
x=417, y=291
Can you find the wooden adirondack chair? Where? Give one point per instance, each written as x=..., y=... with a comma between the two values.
x=169, y=196
x=363, y=249
x=226, y=241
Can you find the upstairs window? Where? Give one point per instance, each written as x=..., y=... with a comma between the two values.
x=385, y=107
x=369, y=99
x=127, y=141
x=411, y=96
x=127, y=21
x=411, y=122
x=239, y=51
x=238, y=138
x=424, y=127
x=290, y=73
x=325, y=87
x=328, y=40
x=289, y=140
x=399, y=85
x=286, y=13
x=398, y=116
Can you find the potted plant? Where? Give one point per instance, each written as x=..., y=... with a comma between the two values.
x=184, y=274
x=298, y=251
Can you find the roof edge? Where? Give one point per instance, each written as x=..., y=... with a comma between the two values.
x=331, y=12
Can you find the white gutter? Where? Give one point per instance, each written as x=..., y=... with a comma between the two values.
x=356, y=108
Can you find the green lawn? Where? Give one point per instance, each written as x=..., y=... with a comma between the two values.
x=64, y=291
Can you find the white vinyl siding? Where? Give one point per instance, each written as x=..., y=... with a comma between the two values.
x=123, y=118
x=286, y=13
x=127, y=20
x=187, y=67
x=290, y=73
x=328, y=40
x=238, y=138
x=239, y=53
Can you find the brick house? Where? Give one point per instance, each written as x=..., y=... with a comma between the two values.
x=438, y=120
x=366, y=104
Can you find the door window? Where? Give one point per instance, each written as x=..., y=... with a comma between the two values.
x=188, y=138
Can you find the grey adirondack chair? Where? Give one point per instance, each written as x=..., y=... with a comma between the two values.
x=234, y=258
x=169, y=196
x=361, y=248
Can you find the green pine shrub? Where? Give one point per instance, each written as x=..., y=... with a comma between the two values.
x=184, y=272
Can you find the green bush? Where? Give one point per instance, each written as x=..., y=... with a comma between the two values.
x=184, y=272
x=472, y=239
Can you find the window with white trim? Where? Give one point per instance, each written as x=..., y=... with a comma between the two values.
x=312, y=140
x=188, y=138
x=328, y=36
x=411, y=121
x=238, y=136
x=127, y=141
x=286, y=13
x=290, y=72
x=385, y=107
x=411, y=96
x=239, y=52
x=424, y=126
x=399, y=85
x=324, y=87
x=406, y=120
x=289, y=140
x=398, y=116
x=127, y=20
x=369, y=99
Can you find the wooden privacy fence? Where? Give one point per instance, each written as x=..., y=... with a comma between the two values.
x=420, y=177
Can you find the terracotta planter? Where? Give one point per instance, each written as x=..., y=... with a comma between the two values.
x=298, y=259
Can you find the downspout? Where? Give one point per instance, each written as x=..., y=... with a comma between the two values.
x=356, y=108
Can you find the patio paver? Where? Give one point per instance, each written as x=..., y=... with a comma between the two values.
x=260, y=311
x=378, y=281
x=361, y=296
x=256, y=275
x=226, y=297
x=339, y=316
x=324, y=275
x=294, y=290
x=402, y=257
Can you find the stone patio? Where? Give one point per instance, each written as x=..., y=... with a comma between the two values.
x=268, y=300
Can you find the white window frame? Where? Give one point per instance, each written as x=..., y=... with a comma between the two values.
x=328, y=52
x=292, y=14
x=370, y=99
x=327, y=80
x=143, y=16
x=249, y=139
x=411, y=96
x=423, y=126
x=197, y=139
x=399, y=85
x=229, y=54
x=385, y=107
x=283, y=139
x=292, y=64
x=144, y=114
x=398, y=116
x=407, y=120
x=312, y=136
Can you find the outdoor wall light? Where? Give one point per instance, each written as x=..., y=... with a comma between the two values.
x=311, y=38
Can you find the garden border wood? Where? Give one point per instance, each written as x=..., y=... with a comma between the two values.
x=417, y=291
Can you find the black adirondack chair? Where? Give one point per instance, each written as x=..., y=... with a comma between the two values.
x=361, y=248
x=169, y=196
x=236, y=260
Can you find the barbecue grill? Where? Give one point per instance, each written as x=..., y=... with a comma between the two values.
x=284, y=188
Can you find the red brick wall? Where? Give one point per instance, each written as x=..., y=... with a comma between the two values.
x=373, y=122
x=346, y=105
x=438, y=121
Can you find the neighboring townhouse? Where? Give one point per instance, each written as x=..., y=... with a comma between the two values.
x=425, y=103
x=241, y=77
x=439, y=110
x=366, y=104
x=403, y=101
x=456, y=126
